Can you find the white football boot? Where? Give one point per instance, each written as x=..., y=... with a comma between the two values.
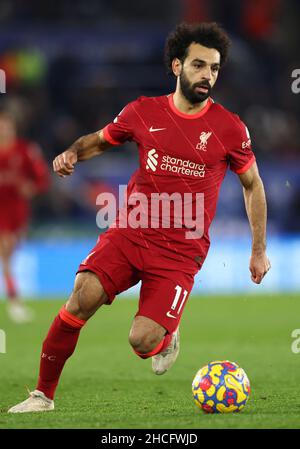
x=164, y=360
x=37, y=402
x=19, y=313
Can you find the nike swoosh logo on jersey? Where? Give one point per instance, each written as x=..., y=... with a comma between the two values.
x=170, y=315
x=153, y=130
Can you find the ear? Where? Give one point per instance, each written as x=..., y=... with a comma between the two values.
x=176, y=66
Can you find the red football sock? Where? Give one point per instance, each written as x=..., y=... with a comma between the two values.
x=58, y=346
x=162, y=345
x=11, y=289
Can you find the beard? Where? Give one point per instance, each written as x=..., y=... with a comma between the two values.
x=189, y=90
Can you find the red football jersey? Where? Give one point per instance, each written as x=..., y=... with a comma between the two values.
x=20, y=163
x=183, y=154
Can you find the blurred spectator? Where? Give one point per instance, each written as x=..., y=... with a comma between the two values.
x=23, y=174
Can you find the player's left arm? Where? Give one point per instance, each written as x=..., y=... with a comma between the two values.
x=256, y=208
x=36, y=174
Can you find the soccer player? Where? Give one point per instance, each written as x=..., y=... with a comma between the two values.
x=186, y=142
x=23, y=174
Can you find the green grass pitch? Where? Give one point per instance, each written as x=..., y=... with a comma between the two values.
x=104, y=385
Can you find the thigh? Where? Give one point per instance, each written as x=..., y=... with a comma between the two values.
x=108, y=261
x=163, y=296
x=87, y=296
x=8, y=243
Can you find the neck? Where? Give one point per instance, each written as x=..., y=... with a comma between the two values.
x=183, y=105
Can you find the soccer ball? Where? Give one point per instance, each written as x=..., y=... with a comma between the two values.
x=221, y=387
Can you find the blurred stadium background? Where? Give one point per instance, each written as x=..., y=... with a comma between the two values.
x=71, y=66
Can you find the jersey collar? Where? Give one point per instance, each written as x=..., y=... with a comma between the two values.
x=189, y=116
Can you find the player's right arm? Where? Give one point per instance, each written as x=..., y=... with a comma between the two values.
x=86, y=147
x=82, y=149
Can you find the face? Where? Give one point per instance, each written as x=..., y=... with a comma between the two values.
x=198, y=73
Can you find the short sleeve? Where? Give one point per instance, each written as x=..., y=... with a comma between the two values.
x=240, y=154
x=122, y=128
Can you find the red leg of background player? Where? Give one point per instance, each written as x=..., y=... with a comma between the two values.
x=8, y=242
x=16, y=310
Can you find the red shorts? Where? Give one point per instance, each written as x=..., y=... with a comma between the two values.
x=13, y=218
x=120, y=264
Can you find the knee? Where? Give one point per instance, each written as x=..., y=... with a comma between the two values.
x=143, y=342
x=87, y=296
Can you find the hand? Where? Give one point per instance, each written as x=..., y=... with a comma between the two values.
x=64, y=163
x=259, y=266
x=27, y=189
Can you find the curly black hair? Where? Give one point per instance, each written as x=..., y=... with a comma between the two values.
x=208, y=34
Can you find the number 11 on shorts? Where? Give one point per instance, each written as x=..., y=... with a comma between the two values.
x=178, y=295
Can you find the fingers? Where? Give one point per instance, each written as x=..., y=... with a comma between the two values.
x=257, y=274
x=67, y=162
x=62, y=165
x=257, y=278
